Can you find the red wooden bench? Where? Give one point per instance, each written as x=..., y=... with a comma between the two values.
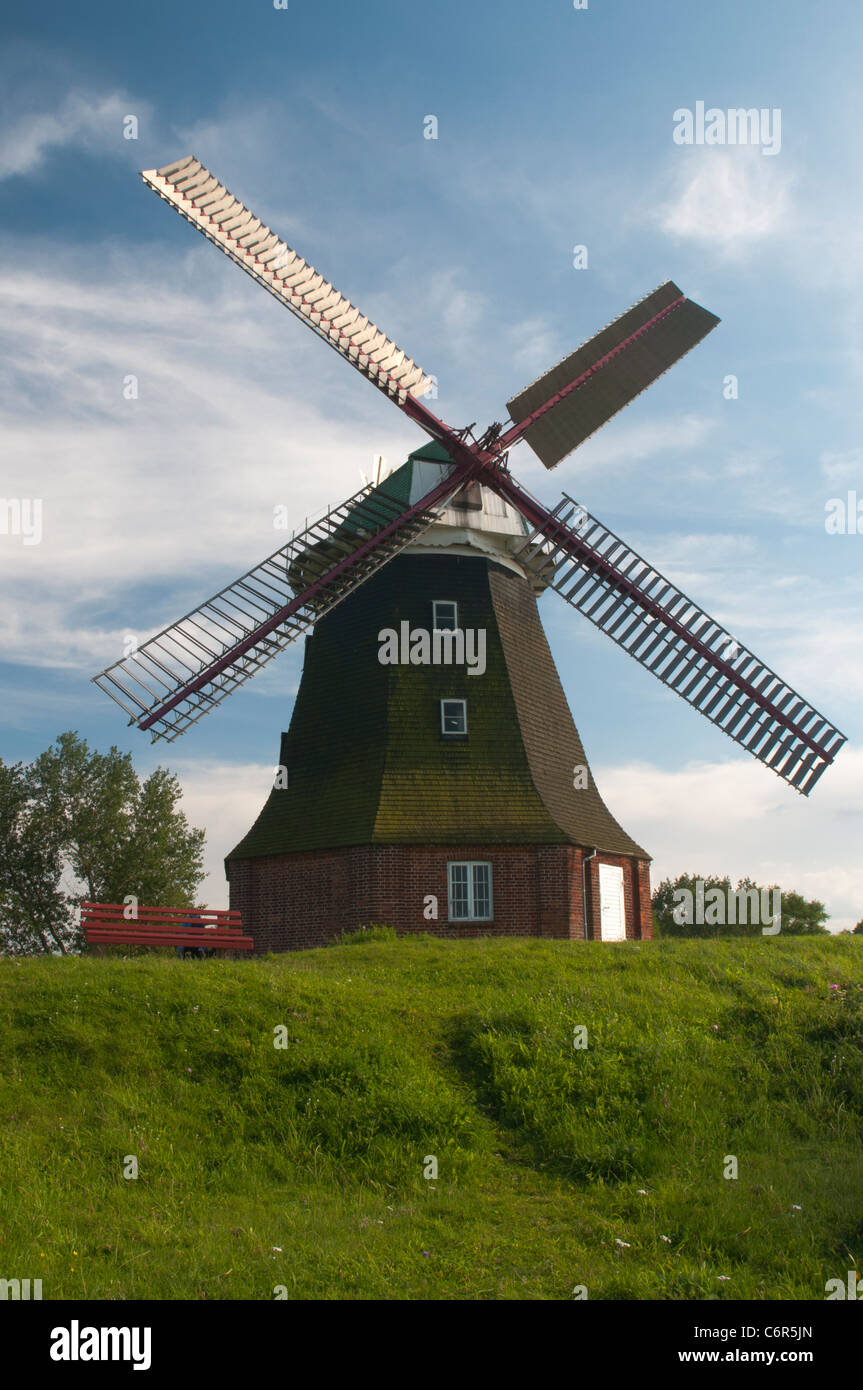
x=104, y=924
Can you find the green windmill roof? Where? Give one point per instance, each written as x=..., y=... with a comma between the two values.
x=397, y=487
x=433, y=452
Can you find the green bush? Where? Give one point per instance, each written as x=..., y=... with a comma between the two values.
x=373, y=932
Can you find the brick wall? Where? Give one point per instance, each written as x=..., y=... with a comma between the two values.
x=645, y=907
x=296, y=901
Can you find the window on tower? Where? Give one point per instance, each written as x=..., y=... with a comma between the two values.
x=469, y=891
x=453, y=717
x=444, y=615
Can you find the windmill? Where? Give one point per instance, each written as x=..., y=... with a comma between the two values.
x=452, y=518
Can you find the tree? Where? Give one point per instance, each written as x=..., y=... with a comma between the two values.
x=86, y=818
x=799, y=917
x=858, y=930
x=663, y=902
x=803, y=918
x=34, y=914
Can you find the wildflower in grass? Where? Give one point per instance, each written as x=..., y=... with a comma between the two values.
x=834, y=986
x=726, y=1277
x=625, y=1243
x=666, y=1238
x=795, y=1208
x=642, y=1192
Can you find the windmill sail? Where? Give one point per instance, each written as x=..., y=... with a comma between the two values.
x=571, y=401
x=228, y=224
x=651, y=619
x=174, y=678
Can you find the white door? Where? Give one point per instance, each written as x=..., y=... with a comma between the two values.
x=612, y=908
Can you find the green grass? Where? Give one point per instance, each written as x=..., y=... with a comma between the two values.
x=302, y=1167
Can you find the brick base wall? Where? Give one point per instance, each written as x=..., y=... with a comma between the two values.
x=292, y=902
x=645, y=906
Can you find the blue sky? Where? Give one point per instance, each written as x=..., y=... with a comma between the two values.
x=554, y=129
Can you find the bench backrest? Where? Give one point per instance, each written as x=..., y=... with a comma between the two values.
x=156, y=919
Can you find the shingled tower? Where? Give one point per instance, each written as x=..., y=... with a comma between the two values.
x=415, y=787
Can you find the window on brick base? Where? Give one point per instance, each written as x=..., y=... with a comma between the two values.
x=469, y=889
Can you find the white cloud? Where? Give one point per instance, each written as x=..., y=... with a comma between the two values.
x=463, y=309
x=37, y=632
x=739, y=818
x=622, y=445
x=730, y=199
x=224, y=799
x=174, y=490
x=84, y=120
x=843, y=467
x=534, y=345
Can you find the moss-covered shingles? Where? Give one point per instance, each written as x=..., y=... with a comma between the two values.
x=366, y=760
x=334, y=750
x=437, y=789
x=554, y=748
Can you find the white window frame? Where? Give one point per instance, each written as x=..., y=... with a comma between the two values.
x=449, y=733
x=450, y=603
x=470, y=865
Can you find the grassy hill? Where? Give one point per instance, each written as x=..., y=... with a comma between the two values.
x=302, y=1167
